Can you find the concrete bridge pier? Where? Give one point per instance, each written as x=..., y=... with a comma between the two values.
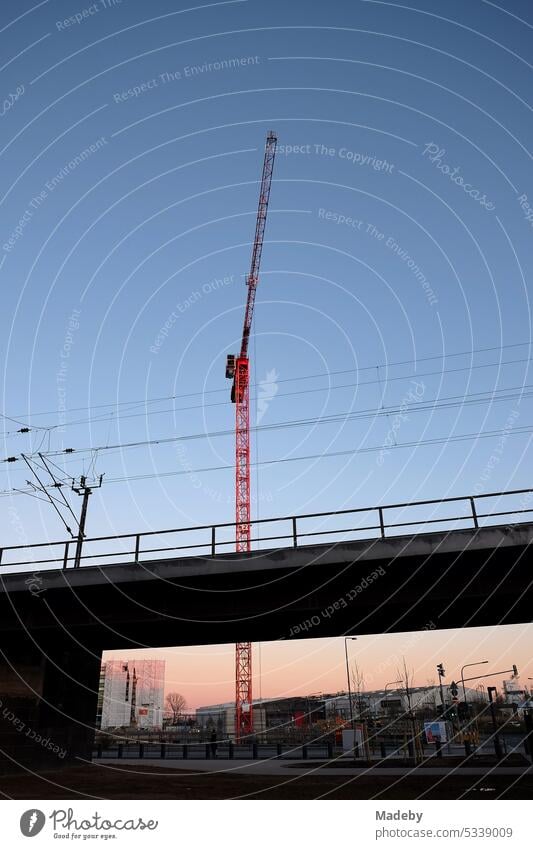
x=48, y=700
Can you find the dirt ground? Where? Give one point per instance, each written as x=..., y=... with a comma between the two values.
x=143, y=782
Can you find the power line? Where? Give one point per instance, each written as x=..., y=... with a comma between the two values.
x=351, y=451
x=465, y=437
x=146, y=401
x=411, y=377
x=449, y=402
x=302, y=391
x=32, y=466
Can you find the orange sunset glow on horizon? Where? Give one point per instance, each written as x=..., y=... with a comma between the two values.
x=205, y=674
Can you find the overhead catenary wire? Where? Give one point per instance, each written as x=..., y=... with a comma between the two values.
x=112, y=417
x=465, y=437
x=449, y=402
x=352, y=451
x=143, y=402
x=44, y=489
x=47, y=464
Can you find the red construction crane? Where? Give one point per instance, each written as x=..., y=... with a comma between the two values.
x=238, y=370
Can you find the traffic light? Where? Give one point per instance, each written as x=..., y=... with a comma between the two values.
x=463, y=710
x=440, y=670
x=515, y=670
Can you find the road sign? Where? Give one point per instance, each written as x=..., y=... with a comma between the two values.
x=454, y=689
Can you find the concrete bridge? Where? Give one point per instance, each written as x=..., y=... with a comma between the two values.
x=55, y=622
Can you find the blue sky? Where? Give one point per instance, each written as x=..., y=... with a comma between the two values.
x=374, y=255
x=396, y=268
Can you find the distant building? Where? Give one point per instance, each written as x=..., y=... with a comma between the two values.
x=131, y=694
x=375, y=702
x=221, y=718
x=514, y=695
x=300, y=712
x=269, y=715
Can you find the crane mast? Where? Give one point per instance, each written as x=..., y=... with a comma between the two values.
x=238, y=369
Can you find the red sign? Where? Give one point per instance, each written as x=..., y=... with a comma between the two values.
x=299, y=718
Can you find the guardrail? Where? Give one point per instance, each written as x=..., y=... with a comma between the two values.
x=215, y=539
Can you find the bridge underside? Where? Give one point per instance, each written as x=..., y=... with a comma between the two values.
x=51, y=639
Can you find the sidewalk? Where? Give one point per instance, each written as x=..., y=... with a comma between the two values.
x=287, y=768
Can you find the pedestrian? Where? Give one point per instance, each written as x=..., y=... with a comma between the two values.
x=213, y=743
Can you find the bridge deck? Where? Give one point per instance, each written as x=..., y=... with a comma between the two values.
x=337, y=554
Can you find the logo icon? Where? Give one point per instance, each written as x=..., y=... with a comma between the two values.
x=32, y=822
x=267, y=389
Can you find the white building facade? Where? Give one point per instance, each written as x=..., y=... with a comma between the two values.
x=132, y=694
x=375, y=702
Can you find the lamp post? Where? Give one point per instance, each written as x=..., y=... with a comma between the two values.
x=400, y=681
x=497, y=747
x=352, y=721
x=477, y=663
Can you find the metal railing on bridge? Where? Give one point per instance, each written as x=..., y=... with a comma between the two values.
x=382, y=521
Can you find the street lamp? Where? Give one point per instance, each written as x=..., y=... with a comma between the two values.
x=400, y=681
x=346, y=639
x=462, y=679
x=497, y=747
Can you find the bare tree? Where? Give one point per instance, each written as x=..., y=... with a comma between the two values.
x=407, y=676
x=431, y=700
x=176, y=704
x=408, y=679
x=358, y=688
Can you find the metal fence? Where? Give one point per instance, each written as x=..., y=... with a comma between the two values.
x=382, y=751
x=382, y=521
x=224, y=751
